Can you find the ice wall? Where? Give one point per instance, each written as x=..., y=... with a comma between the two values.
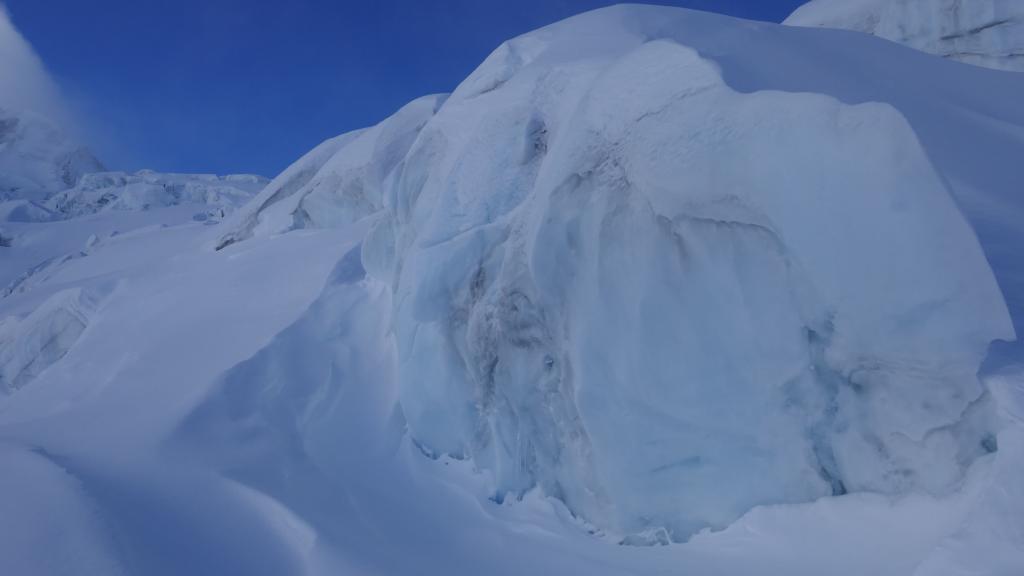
x=666, y=302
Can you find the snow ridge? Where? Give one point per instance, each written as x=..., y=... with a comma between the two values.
x=986, y=33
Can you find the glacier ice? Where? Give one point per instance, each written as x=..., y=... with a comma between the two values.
x=614, y=282
x=986, y=33
x=658, y=298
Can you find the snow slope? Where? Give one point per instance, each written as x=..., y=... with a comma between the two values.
x=338, y=182
x=99, y=191
x=986, y=33
x=648, y=276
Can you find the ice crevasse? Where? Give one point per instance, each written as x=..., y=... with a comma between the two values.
x=661, y=300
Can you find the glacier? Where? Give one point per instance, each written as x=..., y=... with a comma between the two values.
x=987, y=33
x=605, y=269
x=146, y=189
x=647, y=276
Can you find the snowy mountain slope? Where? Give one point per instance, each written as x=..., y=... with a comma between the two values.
x=986, y=33
x=146, y=189
x=645, y=271
x=37, y=158
x=103, y=209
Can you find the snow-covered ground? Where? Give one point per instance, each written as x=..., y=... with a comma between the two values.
x=648, y=276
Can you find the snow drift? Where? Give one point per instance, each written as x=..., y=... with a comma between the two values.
x=144, y=190
x=338, y=182
x=986, y=33
x=31, y=344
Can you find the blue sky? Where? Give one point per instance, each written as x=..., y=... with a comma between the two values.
x=250, y=85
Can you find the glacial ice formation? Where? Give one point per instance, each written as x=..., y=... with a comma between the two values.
x=665, y=301
x=986, y=33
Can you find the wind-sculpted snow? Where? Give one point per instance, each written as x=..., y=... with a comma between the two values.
x=666, y=302
x=986, y=33
x=31, y=344
x=338, y=182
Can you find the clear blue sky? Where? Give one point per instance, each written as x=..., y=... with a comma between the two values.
x=250, y=85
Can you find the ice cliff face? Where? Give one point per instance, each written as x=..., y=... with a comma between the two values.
x=986, y=33
x=655, y=296
x=37, y=158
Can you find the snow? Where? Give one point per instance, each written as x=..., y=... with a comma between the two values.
x=717, y=290
x=649, y=308
x=32, y=344
x=986, y=33
x=37, y=158
x=48, y=502
x=95, y=192
x=338, y=182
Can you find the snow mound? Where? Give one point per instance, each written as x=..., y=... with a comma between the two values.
x=37, y=158
x=986, y=33
x=338, y=182
x=31, y=344
x=612, y=282
x=144, y=190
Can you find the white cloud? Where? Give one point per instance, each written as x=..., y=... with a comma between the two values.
x=24, y=82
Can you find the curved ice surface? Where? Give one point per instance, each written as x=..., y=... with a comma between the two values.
x=666, y=302
x=338, y=182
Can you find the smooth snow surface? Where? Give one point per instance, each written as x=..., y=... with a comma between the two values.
x=653, y=291
x=986, y=33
